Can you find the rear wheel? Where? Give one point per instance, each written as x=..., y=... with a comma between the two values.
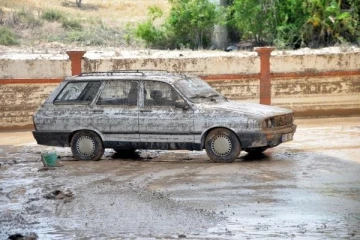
x=222, y=145
x=87, y=145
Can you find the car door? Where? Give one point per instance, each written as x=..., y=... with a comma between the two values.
x=116, y=113
x=162, y=125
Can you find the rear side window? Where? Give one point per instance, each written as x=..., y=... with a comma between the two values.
x=78, y=93
x=124, y=92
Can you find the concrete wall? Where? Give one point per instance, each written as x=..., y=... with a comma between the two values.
x=312, y=82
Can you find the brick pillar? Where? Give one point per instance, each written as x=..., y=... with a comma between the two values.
x=265, y=77
x=75, y=58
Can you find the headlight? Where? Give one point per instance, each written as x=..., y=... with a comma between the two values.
x=268, y=123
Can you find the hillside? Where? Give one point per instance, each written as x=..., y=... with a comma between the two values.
x=56, y=23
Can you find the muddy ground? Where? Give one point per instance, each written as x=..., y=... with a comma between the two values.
x=305, y=189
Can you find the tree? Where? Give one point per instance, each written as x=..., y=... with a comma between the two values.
x=298, y=23
x=78, y=3
x=192, y=22
x=189, y=24
x=256, y=19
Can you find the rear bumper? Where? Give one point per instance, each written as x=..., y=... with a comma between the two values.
x=267, y=138
x=57, y=139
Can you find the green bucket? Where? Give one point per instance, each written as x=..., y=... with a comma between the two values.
x=50, y=159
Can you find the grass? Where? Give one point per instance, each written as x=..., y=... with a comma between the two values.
x=97, y=22
x=52, y=15
x=7, y=37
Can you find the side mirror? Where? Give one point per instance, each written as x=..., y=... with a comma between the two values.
x=181, y=104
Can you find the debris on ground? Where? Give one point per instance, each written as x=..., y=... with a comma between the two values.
x=67, y=195
x=46, y=169
x=18, y=236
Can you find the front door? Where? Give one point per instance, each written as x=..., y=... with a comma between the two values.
x=161, y=124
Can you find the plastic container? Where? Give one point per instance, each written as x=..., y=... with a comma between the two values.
x=50, y=159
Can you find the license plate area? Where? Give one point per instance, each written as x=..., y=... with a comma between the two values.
x=287, y=137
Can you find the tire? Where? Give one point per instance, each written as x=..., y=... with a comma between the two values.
x=87, y=145
x=222, y=145
x=255, y=151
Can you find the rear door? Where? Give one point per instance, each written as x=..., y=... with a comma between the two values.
x=116, y=113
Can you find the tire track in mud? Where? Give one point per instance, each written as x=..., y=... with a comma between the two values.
x=129, y=208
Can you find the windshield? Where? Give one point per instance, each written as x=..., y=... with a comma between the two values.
x=197, y=91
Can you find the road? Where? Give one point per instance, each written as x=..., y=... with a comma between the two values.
x=305, y=189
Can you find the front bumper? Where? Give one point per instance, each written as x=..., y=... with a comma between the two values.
x=264, y=138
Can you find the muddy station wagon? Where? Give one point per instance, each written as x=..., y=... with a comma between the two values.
x=129, y=110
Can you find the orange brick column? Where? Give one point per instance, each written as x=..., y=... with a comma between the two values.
x=75, y=58
x=265, y=77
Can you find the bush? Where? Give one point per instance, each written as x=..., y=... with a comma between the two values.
x=7, y=37
x=52, y=15
x=190, y=23
x=297, y=23
x=72, y=24
x=150, y=34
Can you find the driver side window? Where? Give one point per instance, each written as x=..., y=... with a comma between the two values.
x=159, y=94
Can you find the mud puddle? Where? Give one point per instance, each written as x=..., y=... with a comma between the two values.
x=305, y=189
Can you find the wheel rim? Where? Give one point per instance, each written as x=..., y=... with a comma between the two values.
x=85, y=146
x=221, y=145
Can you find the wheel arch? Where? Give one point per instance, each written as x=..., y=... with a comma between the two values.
x=203, y=136
x=85, y=129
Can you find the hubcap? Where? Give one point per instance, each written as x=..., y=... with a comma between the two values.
x=85, y=145
x=221, y=145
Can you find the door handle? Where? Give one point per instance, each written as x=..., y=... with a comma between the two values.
x=98, y=111
x=145, y=110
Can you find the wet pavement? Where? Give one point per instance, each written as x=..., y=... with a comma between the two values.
x=305, y=189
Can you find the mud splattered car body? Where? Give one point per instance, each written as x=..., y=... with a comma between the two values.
x=129, y=110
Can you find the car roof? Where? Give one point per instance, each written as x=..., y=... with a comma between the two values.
x=169, y=77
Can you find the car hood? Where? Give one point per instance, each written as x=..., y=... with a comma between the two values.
x=243, y=108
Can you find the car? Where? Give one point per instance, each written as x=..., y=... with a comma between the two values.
x=129, y=110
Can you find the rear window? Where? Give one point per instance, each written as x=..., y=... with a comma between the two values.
x=78, y=93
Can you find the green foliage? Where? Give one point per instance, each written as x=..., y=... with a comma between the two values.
x=255, y=19
x=154, y=37
x=155, y=12
x=297, y=23
x=190, y=24
x=7, y=37
x=71, y=23
x=52, y=15
x=129, y=33
x=326, y=23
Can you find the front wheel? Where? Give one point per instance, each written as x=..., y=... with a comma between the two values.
x=222, y=145
x=87, y=145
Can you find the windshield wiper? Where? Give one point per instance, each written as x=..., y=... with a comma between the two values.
x=213, y=95
x=205, y=96
x=198, y=96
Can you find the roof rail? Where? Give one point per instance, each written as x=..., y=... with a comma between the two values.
x=109, y=73
x=116, y=72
